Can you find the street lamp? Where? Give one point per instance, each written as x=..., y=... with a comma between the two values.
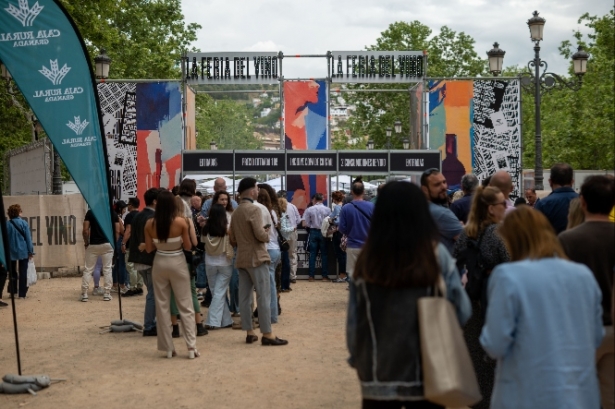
x=406, y=143
x=102, y=62
x=370, y=144
x=496, y=59
x=543, y=83
x=213, y=146
x=389, y=131
x=397, y=126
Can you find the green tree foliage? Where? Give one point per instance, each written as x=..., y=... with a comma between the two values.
x=144, y=38
x=224, y=122
x=578, y=127
x=449, y=54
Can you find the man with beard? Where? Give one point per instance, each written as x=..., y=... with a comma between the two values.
x=433, y=185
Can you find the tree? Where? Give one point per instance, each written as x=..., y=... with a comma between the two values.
x=144, y=38
x=578, y=127
x=449, y=54
x=225, y=122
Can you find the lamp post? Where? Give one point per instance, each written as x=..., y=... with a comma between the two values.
x=496, y=59
x=389, y=132
x=541, y=83
x=406, y=143
x=370, y=144
x=103, y=63
x=213, y=146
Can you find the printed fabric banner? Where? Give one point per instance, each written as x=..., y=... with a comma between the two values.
x=305, y=128
x=47, y=58
x=477, y=126
x=144, y=135
x=55, y=224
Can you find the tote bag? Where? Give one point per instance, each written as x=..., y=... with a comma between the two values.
x=448, y=373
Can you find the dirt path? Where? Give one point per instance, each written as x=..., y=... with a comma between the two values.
x=59, y=337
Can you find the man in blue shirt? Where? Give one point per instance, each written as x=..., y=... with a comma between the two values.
x=354, y=222
x=313, y=217
x=555, y=206
x=433, y=185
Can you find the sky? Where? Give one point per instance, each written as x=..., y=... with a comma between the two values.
x=315, y=27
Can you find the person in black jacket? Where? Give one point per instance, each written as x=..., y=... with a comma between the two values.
x=142, y=260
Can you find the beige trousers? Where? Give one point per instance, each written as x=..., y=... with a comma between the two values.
x=352, y=255
x=170, y=274
x=605, y=364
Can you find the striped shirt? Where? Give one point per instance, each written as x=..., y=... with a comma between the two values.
x=314, y=215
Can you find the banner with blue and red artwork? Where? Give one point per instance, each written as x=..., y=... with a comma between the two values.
x=305, y=128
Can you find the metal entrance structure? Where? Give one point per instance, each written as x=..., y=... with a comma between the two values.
x=292, y=162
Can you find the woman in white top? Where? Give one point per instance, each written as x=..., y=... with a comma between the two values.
x=223, y=198
x=273, y=248
x=218, y=265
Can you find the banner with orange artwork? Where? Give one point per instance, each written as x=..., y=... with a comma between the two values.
x=305, y=128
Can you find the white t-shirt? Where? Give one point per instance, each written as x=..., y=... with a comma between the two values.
x=273, y=234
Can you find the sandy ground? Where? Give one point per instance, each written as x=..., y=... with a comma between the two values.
x=59, y=336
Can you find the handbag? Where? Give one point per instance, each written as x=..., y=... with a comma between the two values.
x=282, y=242
x=448, y=372
x=344, y=242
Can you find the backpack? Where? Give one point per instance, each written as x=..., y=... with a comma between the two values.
x=475, y=268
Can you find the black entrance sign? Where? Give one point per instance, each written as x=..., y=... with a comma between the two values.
x=363, y=162
x=208, y=162
x=301, y=162
x=414, y=161
x=252, y=162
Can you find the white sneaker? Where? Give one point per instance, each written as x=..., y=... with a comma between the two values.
x=107, y=297
x=84, y=297
x=98, y=291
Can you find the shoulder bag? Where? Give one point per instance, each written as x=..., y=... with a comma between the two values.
x=282, y=242
x=448, y=372
x=19, y=230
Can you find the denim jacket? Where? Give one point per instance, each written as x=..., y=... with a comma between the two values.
x=20, y=248
x=382, y=333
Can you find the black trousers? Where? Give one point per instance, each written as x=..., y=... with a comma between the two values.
x=396, y=404
x=21, y=277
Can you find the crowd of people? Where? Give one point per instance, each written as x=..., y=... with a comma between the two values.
x=530, y=281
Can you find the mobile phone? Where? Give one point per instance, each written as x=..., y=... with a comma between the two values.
x=267, y=226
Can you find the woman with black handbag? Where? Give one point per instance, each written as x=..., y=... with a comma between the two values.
x=219, y=266
x=198, y=318
x=479, y=249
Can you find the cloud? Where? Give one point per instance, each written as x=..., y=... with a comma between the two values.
x=322, y=25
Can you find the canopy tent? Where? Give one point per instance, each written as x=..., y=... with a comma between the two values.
x=341, y=182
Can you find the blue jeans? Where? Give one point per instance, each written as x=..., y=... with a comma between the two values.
x=234, y=290
x=317, y=242
x=219, y=278
x=339, y=253
x=275, y=259
x=119, y=267
x=201, y=275
x=285, y=270
x=149, y=318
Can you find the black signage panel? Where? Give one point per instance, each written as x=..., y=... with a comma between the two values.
x=207, y=162
x=363, y=162
x=314, y=162
x=259, y=162
x=414, y=161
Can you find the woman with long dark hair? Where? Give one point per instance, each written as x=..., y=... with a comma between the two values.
x=544, y=321
x=200, y=329
x=400, y=262
x=269, y=199
x=487, y=211
x=338, y=201
x=168, y=234
x=219, y=266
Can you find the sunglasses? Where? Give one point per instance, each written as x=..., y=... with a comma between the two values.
x=431, y=171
